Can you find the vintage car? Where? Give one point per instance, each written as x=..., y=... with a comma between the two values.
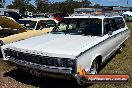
x=127, y=15
x=8, y=22
x=77, y=44
x=31, y=27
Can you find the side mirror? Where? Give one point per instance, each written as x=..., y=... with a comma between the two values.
x=110, y=32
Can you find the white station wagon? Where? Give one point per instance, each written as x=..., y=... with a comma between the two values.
x=76, y=44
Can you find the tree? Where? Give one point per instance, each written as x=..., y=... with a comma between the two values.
x=2, y=3
x=68, y=0
x=63, y=7
x=86, y=3
x=70, y=6
x=97, y=5
x=19, y=4
x=30, y=8
x=10, y=6
x=1, y=6
x=22, y=5
x=41, y=5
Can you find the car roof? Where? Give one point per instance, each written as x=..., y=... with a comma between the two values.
x=38, y=19
x=92, y=16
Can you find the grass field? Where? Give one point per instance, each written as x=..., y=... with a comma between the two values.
x=10, y=77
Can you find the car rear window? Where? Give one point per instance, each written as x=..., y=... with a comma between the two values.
x=120, y=22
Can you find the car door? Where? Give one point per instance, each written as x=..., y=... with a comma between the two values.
x=122, y=32
x=109, y=35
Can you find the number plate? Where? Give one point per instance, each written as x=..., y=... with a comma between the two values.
x=35, y=72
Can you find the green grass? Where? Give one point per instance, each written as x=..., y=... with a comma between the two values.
x=129, y=24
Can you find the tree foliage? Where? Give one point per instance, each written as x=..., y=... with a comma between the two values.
x=43, y=6
x=1, y=6
x=2, y=3
x=22, y=5
x=86, y=3
x=97, y=5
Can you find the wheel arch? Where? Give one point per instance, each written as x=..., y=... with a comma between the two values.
x=97, y=57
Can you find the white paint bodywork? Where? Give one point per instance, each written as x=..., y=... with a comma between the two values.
x=82, y=48
x=128, y=13
x=57, y=45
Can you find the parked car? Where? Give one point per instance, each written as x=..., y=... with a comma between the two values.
x=76, y=44
x=8, y=22
x=16, y=16
x=127, y=15
x=33, y=27
x=60, y=16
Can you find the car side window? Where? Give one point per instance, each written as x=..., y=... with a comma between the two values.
x=107, y=26
x=120, y=22
x=113, y=24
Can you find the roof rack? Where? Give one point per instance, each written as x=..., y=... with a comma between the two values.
x=112, y=14
x=81, y=15
x=100, y=13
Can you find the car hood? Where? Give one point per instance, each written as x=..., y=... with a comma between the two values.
x=24, y=35
x=62, y=45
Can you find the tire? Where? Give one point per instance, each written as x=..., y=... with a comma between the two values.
x=120, y=49
x=94, y=67
x=81, y=81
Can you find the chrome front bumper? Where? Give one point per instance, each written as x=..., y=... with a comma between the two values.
x=53, y=69
x=53, y=72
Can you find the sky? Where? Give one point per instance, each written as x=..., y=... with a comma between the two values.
x=101, y=2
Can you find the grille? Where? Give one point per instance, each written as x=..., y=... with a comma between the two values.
x=38, y=59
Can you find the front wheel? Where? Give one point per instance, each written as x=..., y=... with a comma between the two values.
x=93, y=70
x=94, y=67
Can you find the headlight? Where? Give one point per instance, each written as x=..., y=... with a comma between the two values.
x=1, y=43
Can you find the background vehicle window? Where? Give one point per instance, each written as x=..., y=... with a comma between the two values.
x=49, y=23
x=30, y=24
x=45, y=24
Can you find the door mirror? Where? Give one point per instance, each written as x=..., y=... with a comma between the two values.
x=110, y=32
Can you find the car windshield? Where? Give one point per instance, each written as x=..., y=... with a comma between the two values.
x=79, y=26
x=49, y=23
x=29, y=24
x=45, y=24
